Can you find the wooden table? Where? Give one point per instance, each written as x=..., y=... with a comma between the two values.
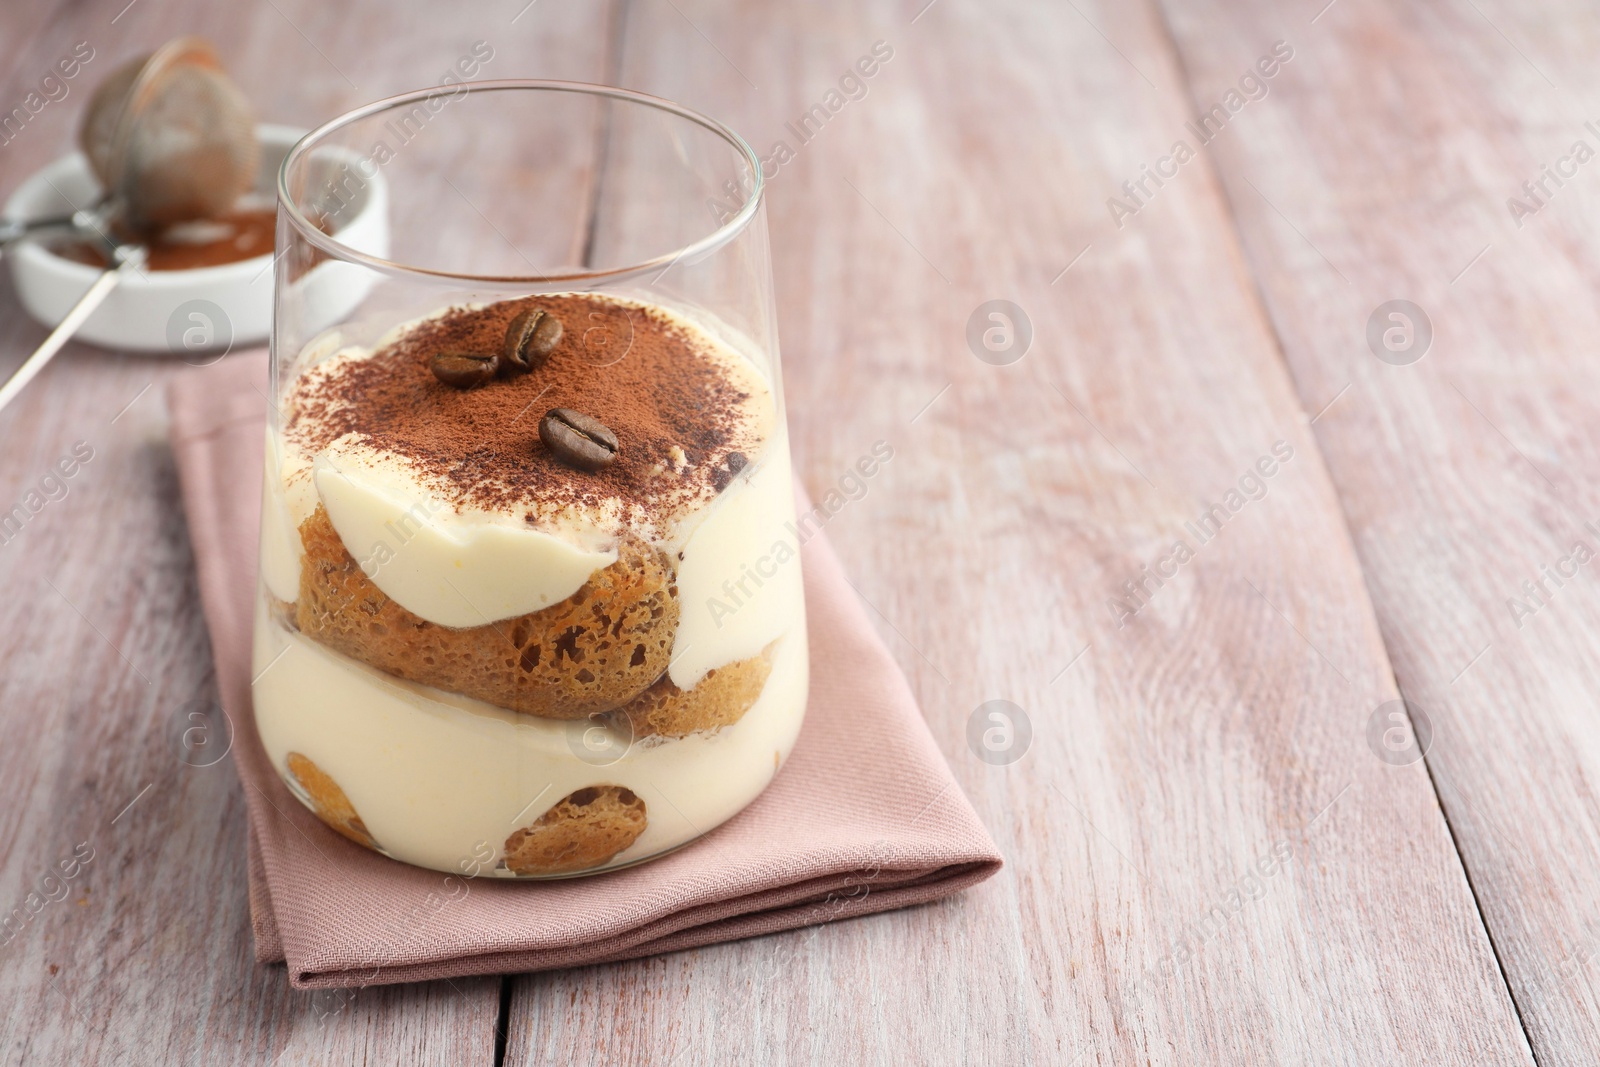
x=1220, y=848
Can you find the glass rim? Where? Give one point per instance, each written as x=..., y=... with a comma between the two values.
x=718, y=237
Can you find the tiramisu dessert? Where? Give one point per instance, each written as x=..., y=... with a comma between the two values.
x=530, y=598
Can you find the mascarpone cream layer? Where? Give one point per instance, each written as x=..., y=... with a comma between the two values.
x=436, y=776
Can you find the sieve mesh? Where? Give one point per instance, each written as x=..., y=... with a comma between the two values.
x=171, y=137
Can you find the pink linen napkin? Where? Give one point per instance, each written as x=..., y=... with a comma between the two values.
x=864, y=817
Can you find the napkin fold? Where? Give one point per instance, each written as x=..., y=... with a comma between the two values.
x=864, y=817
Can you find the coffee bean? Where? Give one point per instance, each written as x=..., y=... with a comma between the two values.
x=530, y=338
x=464, y=369
x=577, y=440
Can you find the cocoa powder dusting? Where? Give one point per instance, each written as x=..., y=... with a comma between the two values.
x=631, y=367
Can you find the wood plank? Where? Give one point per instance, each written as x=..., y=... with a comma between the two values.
x=1169, y=756
x=1382, y=167
x=148, y=957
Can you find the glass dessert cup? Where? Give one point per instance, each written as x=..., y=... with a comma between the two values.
x=530, y=600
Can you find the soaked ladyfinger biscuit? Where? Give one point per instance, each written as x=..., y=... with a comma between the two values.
x=328, y=800
x=719, y=699
x=601, y=647
x=585, y=829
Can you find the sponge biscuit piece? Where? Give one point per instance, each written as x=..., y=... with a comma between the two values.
x=717, y=700
x=599, y=648
x=583, y=830
x=328, y=800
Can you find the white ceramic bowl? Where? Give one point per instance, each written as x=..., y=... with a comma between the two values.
x=147, y=307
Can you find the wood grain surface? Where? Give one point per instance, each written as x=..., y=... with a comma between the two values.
x=1397, y=147
x=1211, y=857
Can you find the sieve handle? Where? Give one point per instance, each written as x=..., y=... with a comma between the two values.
x=129, y=257
x=16, y=229
x=88, y=222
